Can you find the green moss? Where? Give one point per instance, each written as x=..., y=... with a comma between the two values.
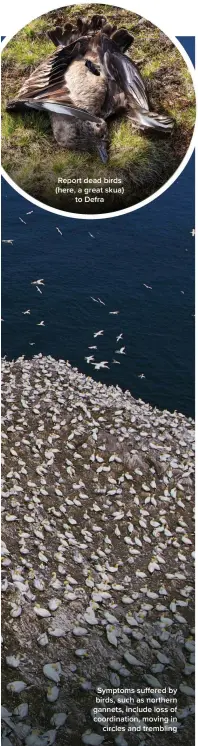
x=151, y=67
x=184, y=117
x=26, y=51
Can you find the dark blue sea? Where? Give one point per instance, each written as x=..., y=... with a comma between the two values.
x=152, y=245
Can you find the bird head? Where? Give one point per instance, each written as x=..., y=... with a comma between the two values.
x=99, y=138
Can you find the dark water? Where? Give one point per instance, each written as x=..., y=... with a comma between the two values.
x=152, y=245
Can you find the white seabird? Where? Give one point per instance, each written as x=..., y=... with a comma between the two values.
x=38, y=282
x=7, y=240
x=41, y=323
x=147, y=286
x=25, y=312
x=99, y=334
x=120, y=336
x=121, y=351
x=58, y=229
x=89, y=358
x=114, y=313
x=103, y=364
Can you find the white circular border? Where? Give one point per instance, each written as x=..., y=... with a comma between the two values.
x=117, y=213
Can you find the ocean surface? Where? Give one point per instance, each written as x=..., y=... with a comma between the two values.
x=152, y=245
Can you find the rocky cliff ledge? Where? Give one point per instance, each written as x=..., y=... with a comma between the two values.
x=97, y=556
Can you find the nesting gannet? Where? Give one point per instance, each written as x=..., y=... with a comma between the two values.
x=120, y=336
x=99, y=334
x=121, y=351
x=25, y=312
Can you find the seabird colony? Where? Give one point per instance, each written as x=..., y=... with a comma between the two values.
x=97, y=547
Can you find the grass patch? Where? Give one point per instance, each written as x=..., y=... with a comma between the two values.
x=143, y=162
x=27, y=50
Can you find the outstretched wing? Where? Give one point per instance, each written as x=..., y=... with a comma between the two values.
x=46, y=90
x=121, y=69
x=48, y=80
x=68, y=111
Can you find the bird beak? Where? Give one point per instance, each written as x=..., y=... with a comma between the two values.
x=101, y=148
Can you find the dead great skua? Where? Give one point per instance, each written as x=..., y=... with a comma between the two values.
x=84, y=82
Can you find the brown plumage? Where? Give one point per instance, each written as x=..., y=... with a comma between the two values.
x=87, y=79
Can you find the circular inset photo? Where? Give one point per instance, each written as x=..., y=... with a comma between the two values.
x=98, y=109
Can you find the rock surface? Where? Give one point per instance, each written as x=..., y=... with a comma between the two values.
x=97, y=530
